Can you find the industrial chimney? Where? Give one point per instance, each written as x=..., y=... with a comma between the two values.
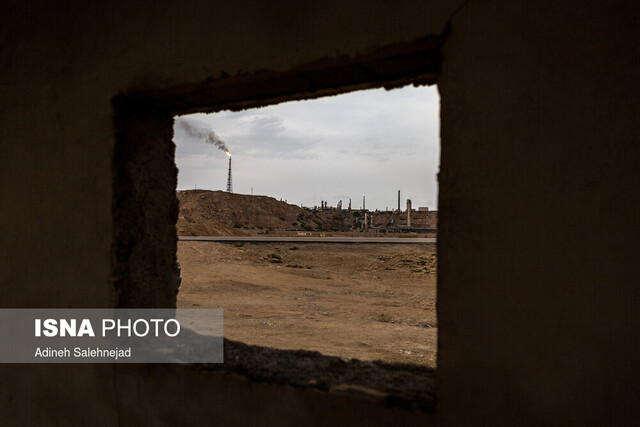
x=408, y=212
x=398, y=200
x=229, y=184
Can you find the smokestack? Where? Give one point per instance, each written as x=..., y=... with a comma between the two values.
x=364, y=207
x=408, y=212
x=229, y=184
x=398, y=200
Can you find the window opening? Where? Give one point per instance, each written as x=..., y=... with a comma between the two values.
x=350, y=167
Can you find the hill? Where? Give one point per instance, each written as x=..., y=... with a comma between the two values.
x=204, y=212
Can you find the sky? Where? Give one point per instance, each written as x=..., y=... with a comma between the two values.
x=371, y=142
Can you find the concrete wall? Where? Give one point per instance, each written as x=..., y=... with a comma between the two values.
x=538, y=230
x=539, y=149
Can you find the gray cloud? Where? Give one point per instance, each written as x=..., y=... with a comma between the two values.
x=267, y=135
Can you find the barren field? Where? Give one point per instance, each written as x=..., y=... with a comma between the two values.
x=361, y=301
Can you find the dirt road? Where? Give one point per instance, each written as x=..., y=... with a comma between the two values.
x=369, y=301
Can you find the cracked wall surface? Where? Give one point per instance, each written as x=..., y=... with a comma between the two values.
x=145, y=209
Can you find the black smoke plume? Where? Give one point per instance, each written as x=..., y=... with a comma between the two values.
x=201, y=131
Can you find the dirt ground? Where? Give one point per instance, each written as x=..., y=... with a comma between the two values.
x=364, y=301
